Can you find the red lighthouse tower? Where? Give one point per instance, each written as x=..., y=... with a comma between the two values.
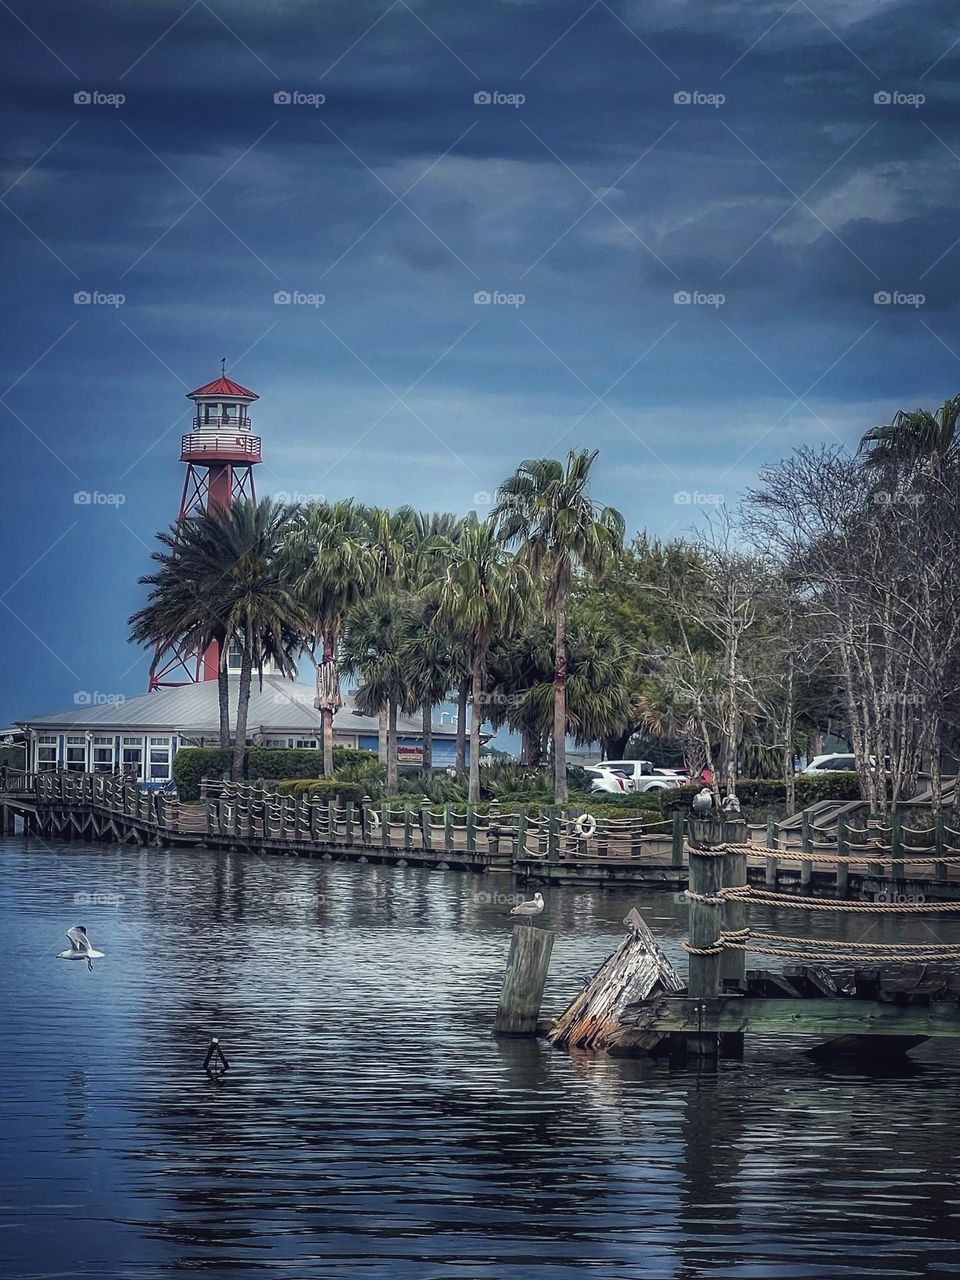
x=220, y=453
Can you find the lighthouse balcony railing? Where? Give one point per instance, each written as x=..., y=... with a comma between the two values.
x=219, y=421
x=220, y=443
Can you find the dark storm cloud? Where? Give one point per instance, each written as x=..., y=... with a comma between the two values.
x=799, y=199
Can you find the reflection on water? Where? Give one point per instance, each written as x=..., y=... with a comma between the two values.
x=371, y=1126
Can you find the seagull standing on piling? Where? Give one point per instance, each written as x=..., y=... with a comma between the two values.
x=531, y=908
x=703, y=801
x=80, y=947
x=731, y=804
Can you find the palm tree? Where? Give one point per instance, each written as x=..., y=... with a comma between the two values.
x=483, y=594
x=372, y=641
x=544, y=508
x=915, y=436
x=331, y=566
x=242, y=571
x=179, y=615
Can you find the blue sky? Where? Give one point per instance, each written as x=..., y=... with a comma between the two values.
x=773, y=161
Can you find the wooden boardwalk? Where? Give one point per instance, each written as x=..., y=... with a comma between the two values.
x=537, y=845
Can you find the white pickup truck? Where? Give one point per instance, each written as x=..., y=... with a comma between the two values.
x=642, y=775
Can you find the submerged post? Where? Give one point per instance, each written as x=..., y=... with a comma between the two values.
x=523, y=981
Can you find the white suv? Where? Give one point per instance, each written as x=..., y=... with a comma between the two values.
x=835, y=763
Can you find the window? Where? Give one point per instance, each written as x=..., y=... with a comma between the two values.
x=131, y=756
x=160, y=760
x=306, y=742
x=46, y=752
x=103, y=755
x=76, y=753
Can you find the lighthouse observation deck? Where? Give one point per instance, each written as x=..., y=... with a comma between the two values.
x=228, y=443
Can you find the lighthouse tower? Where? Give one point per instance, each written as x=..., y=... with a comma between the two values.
x=220, y=454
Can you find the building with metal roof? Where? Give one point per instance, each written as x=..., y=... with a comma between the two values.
x=142, y=735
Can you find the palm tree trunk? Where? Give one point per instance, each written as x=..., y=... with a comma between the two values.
x=392, y=748
x=243, y=702
x=560, y=706
x=427, y=738
x=382, y=734
x=223, y=701
x=327, y=713
x=463, y=694
x=476, y=701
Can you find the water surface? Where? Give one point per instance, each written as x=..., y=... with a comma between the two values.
x=371, y=1127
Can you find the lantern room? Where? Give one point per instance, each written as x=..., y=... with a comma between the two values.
x=221, y=426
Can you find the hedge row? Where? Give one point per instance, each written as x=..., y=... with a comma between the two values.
x=275, y=764
x=759, y=793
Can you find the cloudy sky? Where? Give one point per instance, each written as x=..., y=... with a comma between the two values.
x=683, y=211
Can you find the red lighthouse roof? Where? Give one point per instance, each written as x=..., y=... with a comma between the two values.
x=223, y=386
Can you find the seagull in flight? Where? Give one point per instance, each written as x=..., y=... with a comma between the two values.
x=531, y=908
x=80, y=947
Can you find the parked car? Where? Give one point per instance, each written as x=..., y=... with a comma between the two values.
x=607, y=780
x=835, y=762
x=641, y=775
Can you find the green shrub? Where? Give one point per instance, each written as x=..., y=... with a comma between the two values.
x=192, y=764
x=322, y=789
x=283, y=762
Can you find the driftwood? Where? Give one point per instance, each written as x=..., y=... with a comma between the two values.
x=635, y=971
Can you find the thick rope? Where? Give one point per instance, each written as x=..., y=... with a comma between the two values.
x=803, y=855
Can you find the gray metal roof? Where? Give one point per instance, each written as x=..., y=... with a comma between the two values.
x=281, y=706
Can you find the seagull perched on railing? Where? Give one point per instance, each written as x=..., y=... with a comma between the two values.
x=80, y=947
x=531, y=908
x=703, y=801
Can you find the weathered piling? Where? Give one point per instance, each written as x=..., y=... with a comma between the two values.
x=523, y=981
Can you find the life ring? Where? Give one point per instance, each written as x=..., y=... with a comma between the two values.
x=374, y=819
x=586, y=826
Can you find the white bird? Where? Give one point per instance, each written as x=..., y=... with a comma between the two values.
x=531, y=908
x=80, y=947
x=703, y=801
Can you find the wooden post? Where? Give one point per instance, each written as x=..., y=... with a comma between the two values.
x=676, y=837
x=407, y=825
x=471, y=828
x=772, y=863
x=733, y=963
x=523, y=981
x=520, y=848
x=425, y=836
x=365, y=820
x=553, y=834
x=843, y=852
x=897, y=873
x=705, y=922
x=806, y=844
x=493, y=828
x=447, y=828
x=385, y=824
x=939, y=868
x=348, y=822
